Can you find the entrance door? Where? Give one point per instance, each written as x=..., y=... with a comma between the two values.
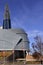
x=20, y=54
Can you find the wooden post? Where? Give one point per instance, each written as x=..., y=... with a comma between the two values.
x=24, y=57
x=13, y=57
x=4, y=57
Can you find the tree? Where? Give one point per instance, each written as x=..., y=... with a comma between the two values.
x=36, y=55
x=38, y=47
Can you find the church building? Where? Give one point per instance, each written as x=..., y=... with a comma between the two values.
x=13, y=42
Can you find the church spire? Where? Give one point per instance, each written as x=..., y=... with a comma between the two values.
x=6, y=21
x=7, y=14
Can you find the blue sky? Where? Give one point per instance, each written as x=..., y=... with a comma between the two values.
x=26, y=14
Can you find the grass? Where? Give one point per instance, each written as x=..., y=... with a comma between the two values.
x=33, y=62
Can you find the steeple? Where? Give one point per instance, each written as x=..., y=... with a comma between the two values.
x=6, y=21
x=7, y=14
